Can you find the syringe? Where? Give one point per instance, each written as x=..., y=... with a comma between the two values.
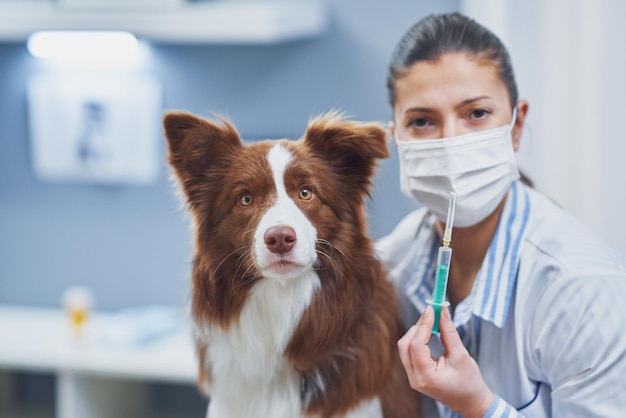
x=443, y=267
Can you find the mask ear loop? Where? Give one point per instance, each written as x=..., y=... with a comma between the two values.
x=514, y=119
x=393, y=136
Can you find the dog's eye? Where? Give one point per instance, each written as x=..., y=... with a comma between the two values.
x=246, y=200
x=305, y=194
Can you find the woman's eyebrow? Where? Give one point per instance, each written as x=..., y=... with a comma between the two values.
x=419, y=109
x=456, y=107
x=470, y=101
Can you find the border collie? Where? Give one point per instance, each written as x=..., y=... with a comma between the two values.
x=294, y=315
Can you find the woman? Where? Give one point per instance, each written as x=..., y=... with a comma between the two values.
x=536, y=301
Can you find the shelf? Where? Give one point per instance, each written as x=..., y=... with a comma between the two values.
x=106, y=372
x=216, y=21
x=41, y=341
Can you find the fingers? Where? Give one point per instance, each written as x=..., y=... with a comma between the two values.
x=444, y=379
x=403, y=349
x=413, y=347
x=420, y=352
x=449, y=335
x=425, y=326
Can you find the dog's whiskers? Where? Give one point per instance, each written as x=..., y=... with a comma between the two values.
x=328, y=256
x=318, y=265
x=226, y=258
x=242, y=261
x=251, y=277
x=332, y=247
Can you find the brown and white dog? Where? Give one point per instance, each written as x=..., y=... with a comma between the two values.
x=294, y=315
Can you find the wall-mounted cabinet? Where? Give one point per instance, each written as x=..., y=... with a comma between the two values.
x=211, y=21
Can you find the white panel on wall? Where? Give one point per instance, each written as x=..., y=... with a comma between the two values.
x=96, y=128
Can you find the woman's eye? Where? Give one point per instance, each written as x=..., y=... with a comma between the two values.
x=479, y=114
x=246, y=200
x=305, y=194
x=419, y=122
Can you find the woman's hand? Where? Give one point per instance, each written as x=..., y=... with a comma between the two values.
x=454, y=379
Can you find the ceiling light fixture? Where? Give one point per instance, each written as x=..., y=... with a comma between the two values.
x=84, y=47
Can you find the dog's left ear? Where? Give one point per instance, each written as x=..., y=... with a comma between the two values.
x=351, y=148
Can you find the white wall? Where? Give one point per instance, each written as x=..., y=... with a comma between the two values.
x=570, y=63
x=131, y=244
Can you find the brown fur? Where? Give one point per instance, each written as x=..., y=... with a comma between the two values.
x=348, y=333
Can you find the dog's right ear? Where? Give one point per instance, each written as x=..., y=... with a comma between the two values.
x=198, y=148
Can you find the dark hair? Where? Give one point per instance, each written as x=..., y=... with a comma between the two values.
x=436, y=35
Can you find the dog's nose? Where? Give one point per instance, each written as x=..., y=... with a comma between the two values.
x=280, y=239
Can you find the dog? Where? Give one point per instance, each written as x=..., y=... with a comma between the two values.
x=294, y=315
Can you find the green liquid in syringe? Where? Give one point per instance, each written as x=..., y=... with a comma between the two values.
x=440, y=283
x=439, y=293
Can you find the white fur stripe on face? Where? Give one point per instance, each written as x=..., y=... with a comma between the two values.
x=284, y=212
x=279, y=158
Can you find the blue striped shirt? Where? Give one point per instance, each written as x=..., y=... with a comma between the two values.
x=524, y=320
x=491, y=294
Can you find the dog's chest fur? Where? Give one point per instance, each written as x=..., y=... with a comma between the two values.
x=246, y=359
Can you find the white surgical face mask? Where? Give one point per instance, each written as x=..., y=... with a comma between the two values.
x=480, y=167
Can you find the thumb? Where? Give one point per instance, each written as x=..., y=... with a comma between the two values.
x=450, y=337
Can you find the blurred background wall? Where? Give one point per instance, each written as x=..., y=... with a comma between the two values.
x=131, y=244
